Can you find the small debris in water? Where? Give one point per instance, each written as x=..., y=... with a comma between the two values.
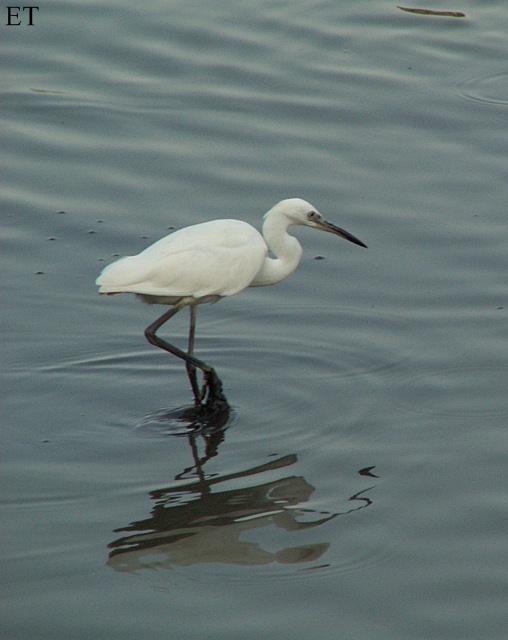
x=367, y=471
x=431, y=12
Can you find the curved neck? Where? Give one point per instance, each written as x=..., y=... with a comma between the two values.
x=284, y=247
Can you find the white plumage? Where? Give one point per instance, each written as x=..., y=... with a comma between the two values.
x=207, y=259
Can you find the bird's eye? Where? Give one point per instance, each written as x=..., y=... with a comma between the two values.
x=312, y=215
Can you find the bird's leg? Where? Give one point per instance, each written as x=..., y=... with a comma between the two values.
x=212, y=386
x=191, y=369
x=150, y=334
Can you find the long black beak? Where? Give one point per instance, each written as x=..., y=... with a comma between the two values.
x=331, y=228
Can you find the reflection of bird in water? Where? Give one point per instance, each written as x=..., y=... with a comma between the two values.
x=214, y=518
x=204, y=520
x=209, y=261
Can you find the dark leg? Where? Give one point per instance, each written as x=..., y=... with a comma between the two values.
x=212, y=382
x=191, y=369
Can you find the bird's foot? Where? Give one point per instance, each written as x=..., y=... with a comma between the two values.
x=212, y=396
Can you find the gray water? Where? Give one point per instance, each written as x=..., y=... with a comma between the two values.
x=358, y=486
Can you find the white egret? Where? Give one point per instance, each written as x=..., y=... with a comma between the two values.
x=206, y=262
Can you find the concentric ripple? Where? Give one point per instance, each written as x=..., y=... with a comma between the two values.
x=489, y=89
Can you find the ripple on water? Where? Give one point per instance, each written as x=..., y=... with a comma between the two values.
x=184, y=421
x=486, y=89
x=282, y=528
x=453, y=391
x=293, y=371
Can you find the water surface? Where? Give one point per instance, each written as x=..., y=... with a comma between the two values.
x=357, y=486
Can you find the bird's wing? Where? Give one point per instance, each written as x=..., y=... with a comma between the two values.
x=208, y=259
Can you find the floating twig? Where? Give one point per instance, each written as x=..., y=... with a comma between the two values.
x=431, y=12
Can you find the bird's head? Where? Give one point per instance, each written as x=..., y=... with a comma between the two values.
x=300, y=212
